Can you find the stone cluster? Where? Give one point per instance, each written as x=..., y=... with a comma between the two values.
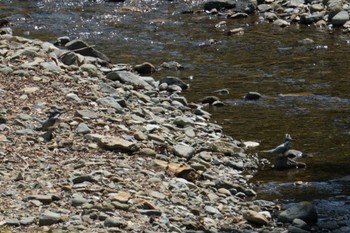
x=322, y=14
x=128, y=153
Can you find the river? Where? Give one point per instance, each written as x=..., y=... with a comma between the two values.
x=313, y=78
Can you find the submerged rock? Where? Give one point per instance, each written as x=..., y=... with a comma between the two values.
x=303, y=210
x=219, y=4
x=174, y=81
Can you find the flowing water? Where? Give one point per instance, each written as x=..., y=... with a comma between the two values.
x=312, y=78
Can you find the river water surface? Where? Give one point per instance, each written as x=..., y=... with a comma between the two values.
x=312, y=78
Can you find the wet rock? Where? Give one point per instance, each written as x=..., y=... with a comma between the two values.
x=222, y=92
x=236, y=31
x=306, y=41
x=334, y=7
x=169, y=80
x=255, y=217
x=300, y=224
x=219, y=4
x=303, y=210
x=294, y=229
x=293, y=154
x=83, y=129
x=252, y=96
x=145, y=68
x=311, y=18
x=4, y=22
x=209, y=99
x=12, y=222
x=81, y=47
x=284, y=162
x=49, y=218
x=183, y=150
x=87, y=114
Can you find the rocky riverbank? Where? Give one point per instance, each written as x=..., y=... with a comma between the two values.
x=323, y=14
x=128, y=154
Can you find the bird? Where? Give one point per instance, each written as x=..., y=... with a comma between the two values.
x=51, y=121
x=283, y=148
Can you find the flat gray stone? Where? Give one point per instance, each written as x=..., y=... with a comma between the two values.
x=83, y=128
x=87, y=114
x=129, y=78
x=170, y=80
x=27, y=220
x=183, y=121
x=115, y=222
x=79, y=200
x=110, y=102
x=49, y=218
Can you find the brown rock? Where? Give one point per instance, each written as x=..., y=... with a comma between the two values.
x=116, y=143
x=255, y=217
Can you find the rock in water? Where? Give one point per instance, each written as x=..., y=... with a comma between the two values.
x=255, y=217
x=252, y=96
x=340, y=18
x=303, y=210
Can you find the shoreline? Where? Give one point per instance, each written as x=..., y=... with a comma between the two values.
x=124, y=155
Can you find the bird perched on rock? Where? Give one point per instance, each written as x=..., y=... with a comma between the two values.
x=51, y=121
x=283, y=148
